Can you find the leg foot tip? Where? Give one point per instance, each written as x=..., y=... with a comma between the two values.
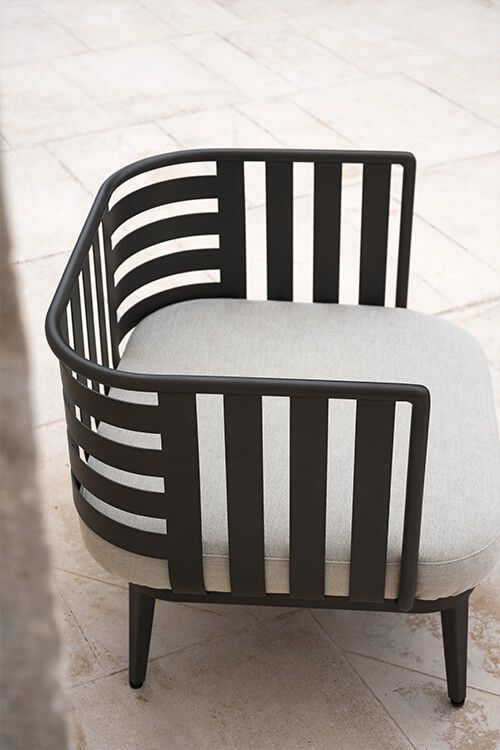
x=457, y=704
x=135, y=685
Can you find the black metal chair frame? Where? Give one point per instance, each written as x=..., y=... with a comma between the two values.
x=85, y=330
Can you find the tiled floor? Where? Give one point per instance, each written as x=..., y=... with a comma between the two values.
x=89, y=85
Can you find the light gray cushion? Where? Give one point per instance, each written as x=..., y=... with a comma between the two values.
x=340, y=342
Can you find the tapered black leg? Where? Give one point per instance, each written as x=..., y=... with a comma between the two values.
x=454, y=623
x=141, y=611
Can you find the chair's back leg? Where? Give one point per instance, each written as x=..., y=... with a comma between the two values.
x=141, y=611
x=454, y=624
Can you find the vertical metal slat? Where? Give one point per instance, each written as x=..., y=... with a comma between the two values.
x=407, y=197
x=101, y=315
x=374, y=228
x=371, y=498
x=327, y=206
x=279, y=227
x=232, y=228
x=308, y=465
x=89, y=316
x=110, y=268
x=182, y=489
x=244, y=477
x=77, y=324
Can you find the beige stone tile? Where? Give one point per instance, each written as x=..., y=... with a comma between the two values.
x=117, y=22
x=420, y=706
x=462, y=199
x=468, y=30
x=147, y=80
x=395, y=112
x=37, y=282
x=293, y=56
x=484, y=324
x=450, y=268
x=39, y=103
x=45, y=205
x=415, y=642
x=29, y=34
x=249, y=10
x=424, y=298
x=191, y=16
x=218, y=128
x=370, y=43
x=94, y=157
x=291, y=125
x=231, y=64
x=280, y=686
x=101, y=612
x=474, y=84
x=81, y=662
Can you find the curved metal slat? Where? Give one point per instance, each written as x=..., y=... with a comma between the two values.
x=121, y=456
x=129, y=499
x=131, y=416
x=166, y=265
x=146, y=306
x=160, y=194
x=148, y=543
x=187, y=225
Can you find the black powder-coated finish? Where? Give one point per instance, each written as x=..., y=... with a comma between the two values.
x=99, y=301
x=245, y=494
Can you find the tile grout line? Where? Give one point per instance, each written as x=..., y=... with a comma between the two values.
x=342, y=654
x=39, y=257
x=223, y=38
x=449, y=99
x=460, y=159
x=66, y=29
x=196, y=644
x=68, y=171
x=454, y=241
x=237, y=108
x=431, y=287
x=416, y=671
x=89, y=578
x=78, y=625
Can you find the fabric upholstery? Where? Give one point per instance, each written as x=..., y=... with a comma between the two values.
x=461, y=516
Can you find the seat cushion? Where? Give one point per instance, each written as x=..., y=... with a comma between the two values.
x=460, y=519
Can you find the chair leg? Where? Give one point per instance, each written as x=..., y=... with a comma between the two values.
x=454, y=624
x=141, y=611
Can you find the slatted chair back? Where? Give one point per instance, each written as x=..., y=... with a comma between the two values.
x=105, y=293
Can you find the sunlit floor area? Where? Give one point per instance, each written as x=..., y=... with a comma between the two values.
x=89, y=86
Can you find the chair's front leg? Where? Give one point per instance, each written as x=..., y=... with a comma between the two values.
x=141, y=611
x=454, y=624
